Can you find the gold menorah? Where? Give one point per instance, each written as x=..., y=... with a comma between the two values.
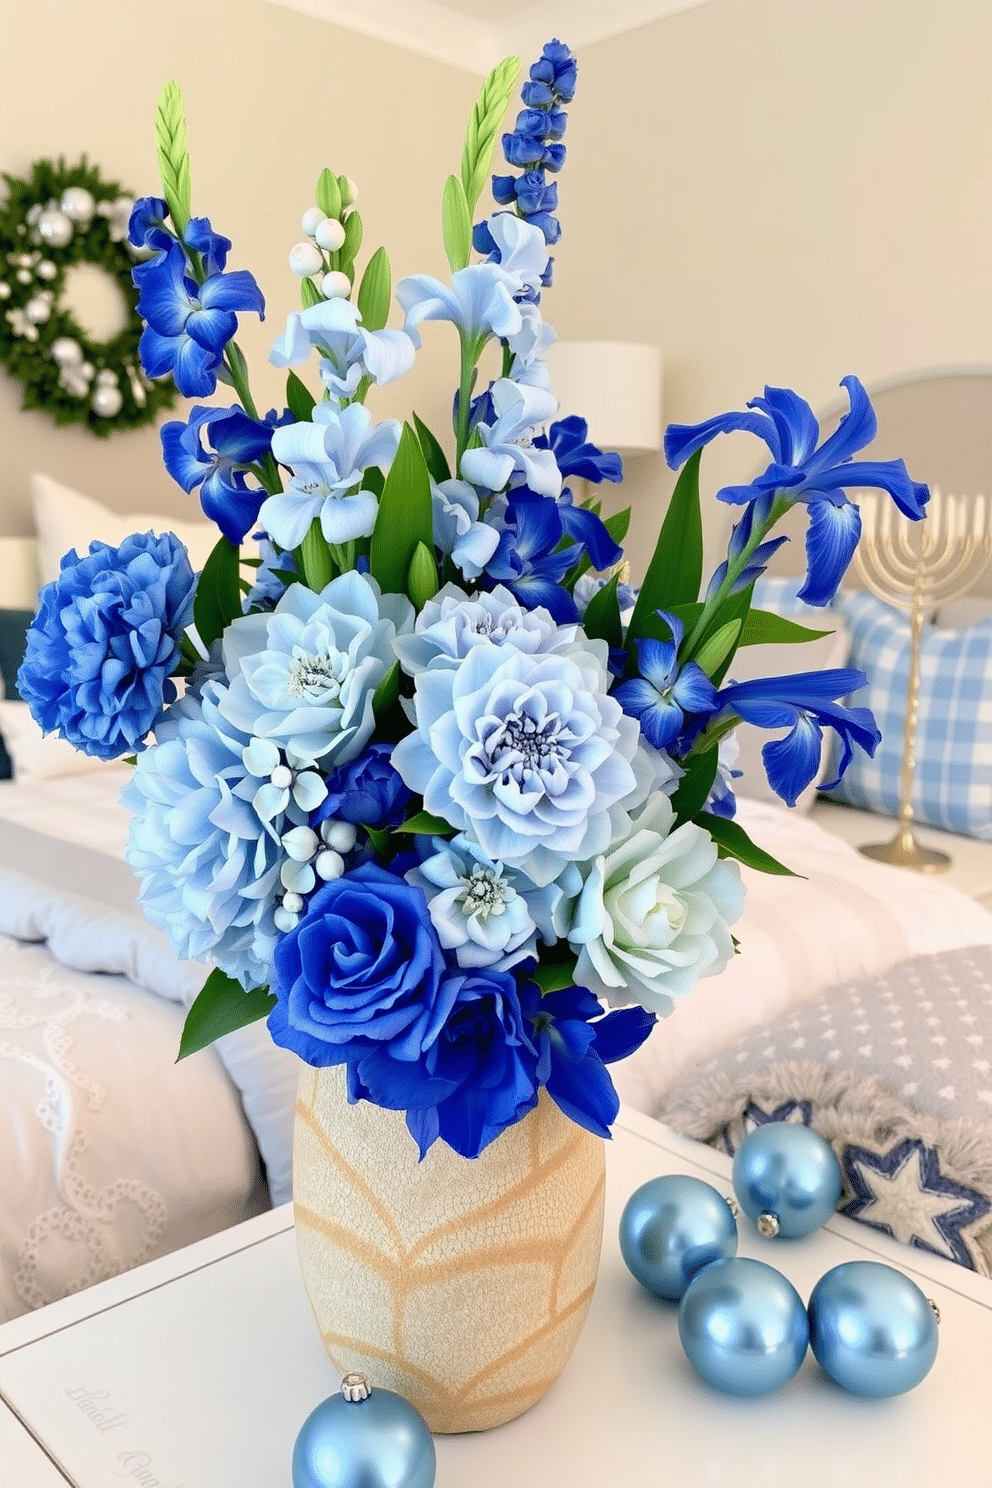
x=917, y=566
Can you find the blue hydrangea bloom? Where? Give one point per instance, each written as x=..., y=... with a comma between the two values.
x=804, y=470
x=188, y=325
x=208, y=863
x=804, y=703
x=236, y=442
x=474, y=1079
x=661, y=696
x=362, y=969
x=368, y=792
x=104, y=641
x=575, y=1042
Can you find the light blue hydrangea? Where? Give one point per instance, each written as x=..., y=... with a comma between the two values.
x=452, y=623
x=304, y=674
x=484, y=912
x=208, y=863
x=528, y=755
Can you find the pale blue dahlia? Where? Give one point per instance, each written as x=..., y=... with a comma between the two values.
x=452, y=623
x=207, y=861
x=528, y=755
x=304, y=674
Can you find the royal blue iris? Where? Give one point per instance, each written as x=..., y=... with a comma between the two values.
x=805, y=703
x=235, y=443
x=802, y=469
x=189, y=324
x=663, y=693
x=575, y=1043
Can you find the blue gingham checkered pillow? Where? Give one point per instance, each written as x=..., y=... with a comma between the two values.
x=953, y=782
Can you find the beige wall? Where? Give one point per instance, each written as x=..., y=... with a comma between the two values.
x=771, y=190
x=781, y=191
x=271, y=96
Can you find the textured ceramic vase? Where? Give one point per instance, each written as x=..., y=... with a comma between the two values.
x=461, y=1284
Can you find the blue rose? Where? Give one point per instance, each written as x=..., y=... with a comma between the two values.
x=477, y=1077
x=367, y=792
x=362, y=968
x=104, y=640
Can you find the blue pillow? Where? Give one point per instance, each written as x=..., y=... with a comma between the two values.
x=13, y=640
x=953, y=781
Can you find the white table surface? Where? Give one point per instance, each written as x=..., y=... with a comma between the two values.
x=211, y=1357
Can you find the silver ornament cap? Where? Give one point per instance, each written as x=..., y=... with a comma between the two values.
x=360, y=1438
x=356, y=1386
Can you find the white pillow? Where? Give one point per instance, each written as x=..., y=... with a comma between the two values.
x=751, y=662
x=66, y=519
x=35, y=756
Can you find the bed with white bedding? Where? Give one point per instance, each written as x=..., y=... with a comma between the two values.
x=110, y=1153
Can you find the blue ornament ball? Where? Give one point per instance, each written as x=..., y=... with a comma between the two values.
x=872, y=1329
x=743, y=1327
x=379, y=1442
x=671, y=1228
x=787, y=1179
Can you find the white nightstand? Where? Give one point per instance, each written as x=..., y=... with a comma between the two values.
x=971, y=860
x=197, y=1370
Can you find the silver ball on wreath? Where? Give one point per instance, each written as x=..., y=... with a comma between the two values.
x=78, y=204
x=4, y=291
x=54, y=227
x=107, y=401
x=67, y=352
x=39, y=307
x=46, y=269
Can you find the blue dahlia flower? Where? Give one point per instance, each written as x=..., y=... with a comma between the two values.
x=575, y=1042
x=236, y=443
x=367, y=792
x=104, y=641
x=187, y=324
x=475, y=1078
x=362, y=969
x=528, y=755
x=663, y=693
x=803, y=470
x=208, y=862
x=804, y=703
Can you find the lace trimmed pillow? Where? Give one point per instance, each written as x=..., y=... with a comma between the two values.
x=895, y=1072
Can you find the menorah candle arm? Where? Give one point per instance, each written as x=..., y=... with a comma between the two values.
x=908, y=771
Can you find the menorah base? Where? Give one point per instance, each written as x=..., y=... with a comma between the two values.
x=905, y=852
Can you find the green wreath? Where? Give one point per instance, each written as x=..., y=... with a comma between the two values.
x=59, y=217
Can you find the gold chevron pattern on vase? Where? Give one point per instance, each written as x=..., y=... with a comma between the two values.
x=461, y=1283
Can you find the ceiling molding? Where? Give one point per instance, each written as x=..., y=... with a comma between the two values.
x=431, y=29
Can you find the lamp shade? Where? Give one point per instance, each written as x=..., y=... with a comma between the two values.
x=615, y=386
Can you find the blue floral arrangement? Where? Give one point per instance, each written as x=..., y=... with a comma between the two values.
x=441, y=796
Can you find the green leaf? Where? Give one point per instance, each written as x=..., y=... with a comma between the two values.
x=733, y=842
x=375, y=291
x=421, y=580
x=405, y=517
x=218, y=595
x=328, y=193
x=437, y=462
x=697, y=782
x=426, y=822
x=480, y=136
x=602, y=617
x=316, y=563
x=353, y=233
x=734, y=608
x=618, y=524
x=675, y=572
x=717, y=647
x=456, y=224
x=551, y=976
x=222, y=1006
x=300, y=399
x=173, y=155
x=309, y=294
x=763, y=628
x=379, y=839
x=387, y=691
x=373, y=480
